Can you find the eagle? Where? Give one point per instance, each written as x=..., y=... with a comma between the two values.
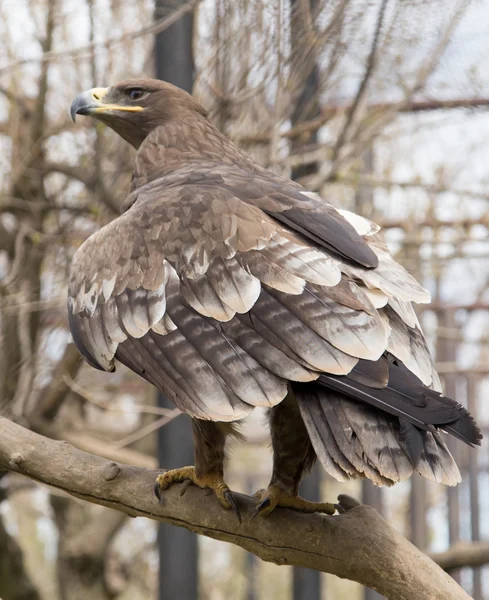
x=230, y=287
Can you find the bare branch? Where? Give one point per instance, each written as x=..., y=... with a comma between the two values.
x=148, y=429
x=357, y=545
x=88, y=443
x=329, y=111
x=90, y=181
x=463, y=554
x=90, y=49
x=53, y=396
x=137, y=408
x=362, y=90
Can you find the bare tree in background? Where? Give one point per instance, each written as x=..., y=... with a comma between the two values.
x=310, y=89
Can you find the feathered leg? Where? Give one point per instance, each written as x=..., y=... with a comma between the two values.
x=209, y=440
x=293, y=456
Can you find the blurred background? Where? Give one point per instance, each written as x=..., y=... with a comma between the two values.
x=378, y=105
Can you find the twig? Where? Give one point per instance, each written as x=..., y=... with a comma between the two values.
x=147, y=429
x=362, y=90
x=463, y=554
x=53, y=396
x=88, y=443
x=90, y=49
x=329, y=111
x=18, y=261
x=137, y=408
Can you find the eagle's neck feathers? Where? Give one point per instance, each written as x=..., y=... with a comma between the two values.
x=177, y=143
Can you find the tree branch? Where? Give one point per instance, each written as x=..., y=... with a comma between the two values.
x=362, y=90
x=54, y=394
x=463, y=554
x=329, y=111
x=357, y=545
x=88, y=443
x=90, y=49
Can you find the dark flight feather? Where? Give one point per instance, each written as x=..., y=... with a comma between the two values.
x=406, y=397
x=328, y=229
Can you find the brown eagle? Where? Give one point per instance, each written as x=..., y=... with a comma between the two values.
x=228, y=287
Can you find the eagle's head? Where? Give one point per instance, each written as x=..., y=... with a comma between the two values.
x=134, y=107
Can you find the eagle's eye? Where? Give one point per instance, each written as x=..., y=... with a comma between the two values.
x=135, y=93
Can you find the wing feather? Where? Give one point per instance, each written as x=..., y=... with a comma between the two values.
x=250, y=381
x=389, y=277
x=268, y=353
x=359, y=333
x=408, y=345
x=274, y=303
x=235, y=287
x=298, y=336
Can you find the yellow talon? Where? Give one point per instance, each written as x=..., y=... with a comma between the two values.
x=213, y=481
x=274, y=496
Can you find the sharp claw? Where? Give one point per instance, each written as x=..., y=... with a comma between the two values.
x=263, y=504
x=157, y=491
x=347, y=502
x=232, y=501
x=185, y=486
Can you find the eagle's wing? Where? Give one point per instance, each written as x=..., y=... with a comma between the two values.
x=220, y=289
x=216, y=302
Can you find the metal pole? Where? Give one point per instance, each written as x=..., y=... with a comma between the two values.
x=472, y=397
x=307, y=582
x=448, y=354
x=372, y=495
x=178, y=575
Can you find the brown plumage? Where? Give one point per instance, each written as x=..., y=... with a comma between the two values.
x=229, y=287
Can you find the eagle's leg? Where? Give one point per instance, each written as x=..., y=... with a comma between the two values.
x=209, y=440
x=293, y=456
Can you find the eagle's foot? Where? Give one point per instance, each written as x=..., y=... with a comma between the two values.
x=274, y=496
x=214, y=481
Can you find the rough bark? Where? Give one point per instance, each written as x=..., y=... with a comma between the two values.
x=357, y=545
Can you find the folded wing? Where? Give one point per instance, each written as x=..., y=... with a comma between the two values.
x=222, y=292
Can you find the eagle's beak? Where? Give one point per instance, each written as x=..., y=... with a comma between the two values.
x=92, y=102
x=88, y=102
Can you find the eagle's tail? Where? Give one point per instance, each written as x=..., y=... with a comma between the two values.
x=383, y=433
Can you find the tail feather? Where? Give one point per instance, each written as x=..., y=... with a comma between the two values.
x=358, y=449
x=450, y=469
x=334, y=461
x=414, y=440
x=436, y=462
x=384, y=434
x=346, y=449
x=406, y=397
